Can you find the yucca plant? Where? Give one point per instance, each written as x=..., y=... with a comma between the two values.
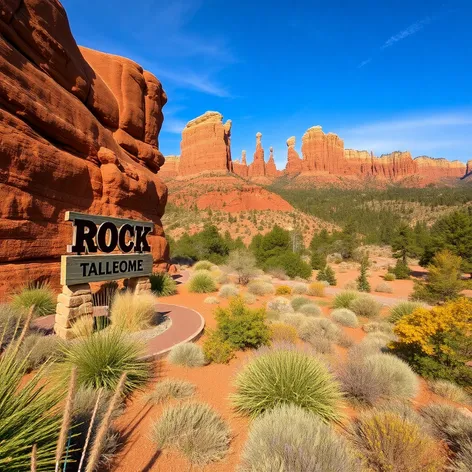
x=102, y=358
x=162, y=284
x=38, y=295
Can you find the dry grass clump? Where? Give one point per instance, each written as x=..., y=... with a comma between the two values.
x=293, y=319
x=260, y=288
x=12, y=321
x=366, y=306
x=280, y=305
x=228, y=291
x=321, y=345
x=378, y=376
x=310, y=309
x=211, y=301
x=203, y=265
x=249, y=298
x=133, y=312
x=171, y=389
x=299, y=288
x=369, y=345
x=281, y=332
x=278, y=377
x=195, y=430
x=384, y=287
x=390, y=442
x=463, y=459
x=37, y=349
x=345, y=317
x=201, y=282
x=187, y=354
x=450, y=391
x=318, y=328
x=83, y=327
x=344, y=340
x=345, y=298
x=379, y=327
x=275, y=443
x=316, y=289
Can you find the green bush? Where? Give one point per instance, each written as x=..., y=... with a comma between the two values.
x=403, y=309
x=389, y=442
x=38, y=295
x=318, y=260
x=378, y=376
x=281, y=377
x=389, y=277
x=242, y=326
x=298, y=302
x=203, y=265
x=345, y=298
x=310, y=309
x=261, y=288
x=187, y=354
x=162, y=284
x=195, y=430
x=101, y=359
x=291, y=263
x=275, y=444
x=228, y=291
x=366, y=306
x=217, y=349
x=11, y=323
x=171, y=388
x=330, y=275
x=201, y=283
x=132, y=311
x=345, y=317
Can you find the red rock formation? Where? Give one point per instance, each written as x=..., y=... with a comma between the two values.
x=271, y=168
x=358, y=162
x=322, y=152
x=257, y=168
x=294, y=163
x=241, y=168
x=468, y=168
x=170, y=169
x=394, y=166
x=436, y=169
x=75, y=135
x=206, y=145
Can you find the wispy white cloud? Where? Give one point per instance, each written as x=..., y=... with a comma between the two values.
x=364, y=63
x=412, y=29
x=173, y=125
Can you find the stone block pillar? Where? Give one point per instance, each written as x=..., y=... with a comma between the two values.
x=74, y=301
x=139, y=284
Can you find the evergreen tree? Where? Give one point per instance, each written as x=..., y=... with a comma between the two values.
x=330, y=275
x=321, y=275
x=403, y=244
x=350, y=240
x=362, y=282
x=401, y=270
x=318, y=260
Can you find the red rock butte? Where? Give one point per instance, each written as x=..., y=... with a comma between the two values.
x=79, y=132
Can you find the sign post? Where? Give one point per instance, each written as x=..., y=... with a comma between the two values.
x=104, y=248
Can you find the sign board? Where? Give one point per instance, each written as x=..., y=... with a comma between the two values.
x=94, y=234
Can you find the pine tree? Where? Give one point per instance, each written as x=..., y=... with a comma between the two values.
x=362, y=282
x=318, y=260
x=321, y=276
x=403, y=244
x=330, y=276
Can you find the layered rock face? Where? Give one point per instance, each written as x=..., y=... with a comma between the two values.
x=240, y=167
x=271, y=169
x=294, y=163
x=358, y=162
x=170, y=169
x=77, y=133
x=257, y=167
x=395, y=165
x=436, y=169
x=206, y=145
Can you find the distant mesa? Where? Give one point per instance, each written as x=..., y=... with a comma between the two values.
x=206, y=148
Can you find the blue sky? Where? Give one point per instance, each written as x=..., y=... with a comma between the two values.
x=384, y=75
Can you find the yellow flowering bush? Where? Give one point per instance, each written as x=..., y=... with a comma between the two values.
x=281, y=332
x=283, y=290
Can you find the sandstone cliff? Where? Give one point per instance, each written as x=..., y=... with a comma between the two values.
x=170, y=169
x=76, y=134
x=271, y=169
x=436, y=169
x=240, y=167
x=206, y=145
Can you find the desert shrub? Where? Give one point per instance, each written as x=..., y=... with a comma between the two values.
x=133, y=311
x=275, y=444
x=278, y=273
x=366, y=306
x=293, y=319
x=30, y=414
x=281, y=332
x=345, y=298
x=401, y=271
x=368, y=346
x=344, y=340
x=280, y=305
x=318, y=328
x=378, y=376
x=83, y=327
x=211, y=301
x=217, y=349
x=249, y=298
x=390, y=442
x=258, y=287
x=193, y=429
x=379, y=327
x=298, y=302
x=299, y=289
x=345, y=317
x=38, y=295
x=283, y=290
x=450, y=390
x=449, y=424
x=162, y=284
x=228, y=290
x=203, y=265
x=36, y=349
x=389, y=277
x=187, y=354
x=463, y=460
x=292, y=264
x=243, y=263
x=437, y=342
x=241, y=326
x=286, y=376
x=316, y=289
x=11, y=323
x=201, y=282
x=101, y=359
x=310, y=309
x=403, y=309
x=321, y=345
x=171, y=388
x=384, y=287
